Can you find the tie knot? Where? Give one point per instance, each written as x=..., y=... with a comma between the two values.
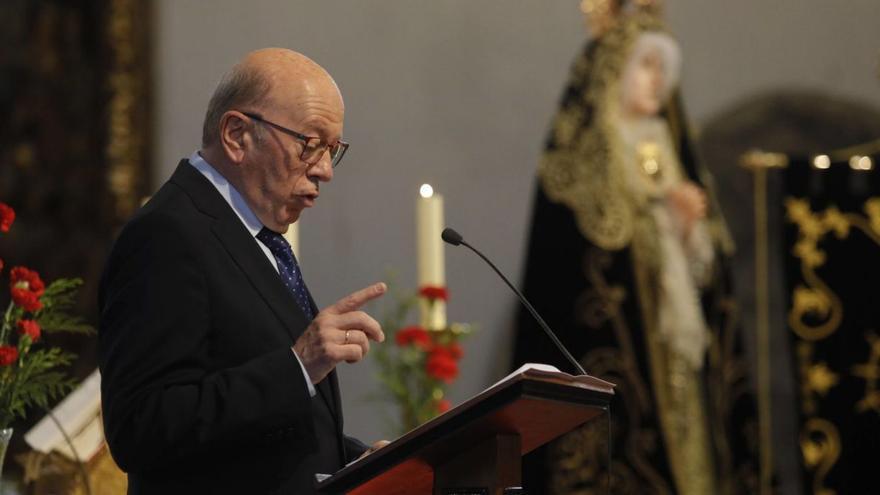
x=274, y=241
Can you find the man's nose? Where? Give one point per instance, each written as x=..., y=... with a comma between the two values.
x=322, y=169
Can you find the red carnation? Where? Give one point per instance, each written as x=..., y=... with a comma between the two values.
x=455, y=350
x=30, y=328
x=8, y=354
x=434, y=292
x=26, y=300
x=439, y=350
x=441, y=366
x=443, y=405
x=26, y=287
x=7, y=216
x=414, y=335
x=23, y=278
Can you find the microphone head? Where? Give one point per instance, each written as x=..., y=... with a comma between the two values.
x=451, y=236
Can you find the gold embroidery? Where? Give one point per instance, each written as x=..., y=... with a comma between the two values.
x=575, y=455
x=820, y=447
x=872, y=209
x=811, y=301
x=567, y=123
x=815, y=378
x=816, y=299
x=816, y=314
x=820, y=379
x=870, y=372
x=681, y=411
x=596, y=260
x=582, y=172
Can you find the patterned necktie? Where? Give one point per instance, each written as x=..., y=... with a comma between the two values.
x=288, y=268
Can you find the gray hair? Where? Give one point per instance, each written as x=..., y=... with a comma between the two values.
x=240, y=87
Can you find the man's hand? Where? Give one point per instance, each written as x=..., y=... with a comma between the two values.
x=340, y=332
x=690, y=202
x=376, y=446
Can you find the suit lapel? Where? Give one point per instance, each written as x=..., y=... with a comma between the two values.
x=243, y=249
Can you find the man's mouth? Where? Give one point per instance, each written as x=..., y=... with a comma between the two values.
x=309, y=199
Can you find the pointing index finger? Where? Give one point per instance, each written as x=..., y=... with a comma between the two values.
x=355, y=300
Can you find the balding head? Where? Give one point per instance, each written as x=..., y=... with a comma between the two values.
x=258, y=80
x=267, y=112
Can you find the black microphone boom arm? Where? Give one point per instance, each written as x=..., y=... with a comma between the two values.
x=454, y=238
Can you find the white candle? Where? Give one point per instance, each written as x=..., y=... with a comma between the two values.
x=292, y=236
x=431, y=266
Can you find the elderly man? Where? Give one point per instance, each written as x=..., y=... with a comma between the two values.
x=218, y=369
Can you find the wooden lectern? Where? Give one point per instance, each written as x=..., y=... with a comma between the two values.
x=476, y=448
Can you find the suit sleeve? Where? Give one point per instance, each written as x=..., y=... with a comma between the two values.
x=162, y=401
x=354, y=448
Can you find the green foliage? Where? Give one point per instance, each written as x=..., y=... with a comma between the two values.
x=32, y=381
x=59, y=298
x=34, y=378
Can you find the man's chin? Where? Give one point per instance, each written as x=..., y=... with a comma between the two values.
x=292, y=217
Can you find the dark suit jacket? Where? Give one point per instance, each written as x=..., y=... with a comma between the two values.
x=201, y=391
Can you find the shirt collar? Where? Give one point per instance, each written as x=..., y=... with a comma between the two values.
x=229, y=193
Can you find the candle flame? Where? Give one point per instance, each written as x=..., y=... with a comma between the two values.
x=426, y=190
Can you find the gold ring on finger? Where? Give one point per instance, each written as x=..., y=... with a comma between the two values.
x=346, y=335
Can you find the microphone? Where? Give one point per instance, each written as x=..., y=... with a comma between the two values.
x=452, y=237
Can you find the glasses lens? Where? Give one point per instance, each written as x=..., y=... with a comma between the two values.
x=312, y=151
x=334, y=151
x=337, y=151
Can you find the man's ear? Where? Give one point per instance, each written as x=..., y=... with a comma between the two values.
x=234, y=135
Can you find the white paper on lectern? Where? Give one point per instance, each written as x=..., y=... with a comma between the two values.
x=540, y=370
x=80, y=415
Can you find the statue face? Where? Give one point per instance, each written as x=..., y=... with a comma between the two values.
x=642, y=83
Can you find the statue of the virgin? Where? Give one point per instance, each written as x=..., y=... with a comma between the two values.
x=628, y=259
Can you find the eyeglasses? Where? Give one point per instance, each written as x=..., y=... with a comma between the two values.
x=313, y=147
